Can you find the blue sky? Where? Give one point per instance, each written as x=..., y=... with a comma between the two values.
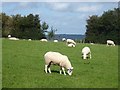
x=66, y=17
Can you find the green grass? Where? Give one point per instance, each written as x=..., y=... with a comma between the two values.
x=23, y=66
x=0, y=64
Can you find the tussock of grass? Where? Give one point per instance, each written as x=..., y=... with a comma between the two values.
x=23, y=66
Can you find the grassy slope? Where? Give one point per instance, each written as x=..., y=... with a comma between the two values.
x=0, y=63
x=23, y=66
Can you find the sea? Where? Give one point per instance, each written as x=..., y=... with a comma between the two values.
x=69, y=36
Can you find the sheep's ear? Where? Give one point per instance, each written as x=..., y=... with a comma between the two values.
x=71, y=67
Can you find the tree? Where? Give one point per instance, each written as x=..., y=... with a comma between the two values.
x=106, y=26
x=51, y=34
x=44, y=27
x=7, y=25
x=23, y=27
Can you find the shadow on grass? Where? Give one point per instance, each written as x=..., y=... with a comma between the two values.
x=55, y=71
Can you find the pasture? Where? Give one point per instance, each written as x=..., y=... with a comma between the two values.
x=23, y=66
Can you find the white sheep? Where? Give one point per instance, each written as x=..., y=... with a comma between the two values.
x=110, y=42
x=59, y=59
x=29, y=39
x=70, y=41
x=43, y=40
x=55, y=40
x=9, y=36
x=63, y=39
x=86, y=52
x=13, y=38
x=71, y=45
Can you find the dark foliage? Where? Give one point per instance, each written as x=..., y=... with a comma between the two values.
x=23, y=27
x=106, y=26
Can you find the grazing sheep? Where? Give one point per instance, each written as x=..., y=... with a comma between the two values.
x=63, y=39
x=59, y=59
x=110, y=42
x=71, y=45
x=86, y=52
x=9, y=36
x=13, y=38
x=43, y=40
x=70, y=41
x=55, y=40
x=29, y=39
x=92, y=43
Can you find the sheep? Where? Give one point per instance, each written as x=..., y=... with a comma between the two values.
x=70, y=41
x=43, y=40
x=55, y=40
x=9, y=36
x=63, y=39
x=29, y=39
x=110, y=42
x=71, y=45
x=86, y=52
x=59, y=59
x=13, y=38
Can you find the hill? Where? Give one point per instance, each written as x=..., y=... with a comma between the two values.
x=23, y=66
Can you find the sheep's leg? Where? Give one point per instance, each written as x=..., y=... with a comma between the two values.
x=49, y=67
x=60, y=70
x=46, y=66
x=63, y=70
x=49, y=70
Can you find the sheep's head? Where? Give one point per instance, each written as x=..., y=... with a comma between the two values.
x=69, y=71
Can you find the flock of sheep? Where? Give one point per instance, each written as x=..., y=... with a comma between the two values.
x=60, y=59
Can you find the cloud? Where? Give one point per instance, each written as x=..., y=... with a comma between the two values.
x=74, y=7
x=58, y=6
x=91, y=8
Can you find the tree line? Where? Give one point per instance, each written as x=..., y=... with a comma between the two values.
x=101, y=28
x=25, y=27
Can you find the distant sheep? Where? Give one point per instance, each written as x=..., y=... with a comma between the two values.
x=92, y=43
x=55, y=40
x=70, y=41
x=58, y=59
x=9, y=36
x=110, y=42
x=71, y=45
x=29, y=39
x=13, y=38
x=43, y=40
x=63, y=39
x=86, y=53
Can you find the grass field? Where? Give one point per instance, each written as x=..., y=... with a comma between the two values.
x=23, y=66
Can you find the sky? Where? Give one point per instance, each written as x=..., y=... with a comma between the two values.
x=67, y=17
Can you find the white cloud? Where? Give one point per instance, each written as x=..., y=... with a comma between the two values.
x=59, y=6
x=92, y=8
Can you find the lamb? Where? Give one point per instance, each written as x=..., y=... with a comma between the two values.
x=70, y=41
x=57, y=58
x=110, y=42
x=71, y=45
x=44, y=40
x=86, y=52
